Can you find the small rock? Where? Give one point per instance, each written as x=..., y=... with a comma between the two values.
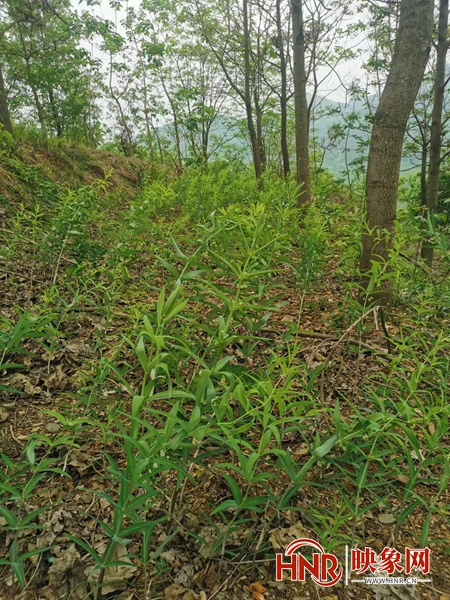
x=386, y=518
x=52, y=427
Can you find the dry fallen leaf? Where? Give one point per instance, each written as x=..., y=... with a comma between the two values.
x=174, y=592
x=80, y=460
x=257, y=590
x=403, y=478
x=24, y=383
x=57, y=380
x=4, y=414
x=169, y=556
x=301, y=450
x=75, y=346
x=386, y=518
x=280, y=538
x=116, y=576
x=60, y=568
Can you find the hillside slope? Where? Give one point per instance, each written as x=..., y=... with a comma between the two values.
x=30, y=172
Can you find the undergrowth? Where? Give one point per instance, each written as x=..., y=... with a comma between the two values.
x=201, y=369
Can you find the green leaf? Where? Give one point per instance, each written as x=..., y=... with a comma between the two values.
x=224, y=506
x=172, y=298
x=408, y=510
x=362, y=475
x=31, y=553
x=192, y=274
x=177, y=250
x=175, y=310
x=221, y=363
x=9, y=517
x=322, y=450
x=15, y=563
x=12, y=491
x=254, y=503
x=19, y=572
x=234, y=487
x=86, y=547
x=160, y=306
x=141, y=353
x=249, y=466
x=161, y=547
x=168, y=266
x=33, y=515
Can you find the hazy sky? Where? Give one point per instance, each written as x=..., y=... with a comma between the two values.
x=331, y=88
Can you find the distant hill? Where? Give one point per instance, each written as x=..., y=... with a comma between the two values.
x=328, y=127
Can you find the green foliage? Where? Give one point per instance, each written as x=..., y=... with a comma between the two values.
x=206, y=329
x=69, y=231
x=201, y=191
x=30, y=180
x=155, y=200
x=193, y=373
x=444, y=195
x=19, y=482
x=410, y=195
x=13, y=338
x=7, y=144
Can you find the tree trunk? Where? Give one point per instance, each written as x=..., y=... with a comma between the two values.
x=243, y=93
x=248, y=97
x=40, y=110
x=56, y=118
x=37, y=101
x=301, y=104
x=423, y=172
x=176, y=128
x=410, y=57
x=283, y=94
x=436, y=124
x=146, y=109
x=5, y=118
x=128, y=146
x=259, y=133
x=205, y=142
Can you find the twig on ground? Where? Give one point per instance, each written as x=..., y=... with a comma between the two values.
x=227, y=579
x=334, y=338
x=331, y=338
x=374, y=310
x=416, y=263
x=386, y=333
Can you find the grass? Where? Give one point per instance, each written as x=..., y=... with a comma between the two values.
x=182, y=414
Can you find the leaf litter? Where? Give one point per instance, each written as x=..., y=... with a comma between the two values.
x=191, y=571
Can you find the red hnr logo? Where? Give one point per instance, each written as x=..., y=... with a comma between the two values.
x=326, y=571
x=324, y=568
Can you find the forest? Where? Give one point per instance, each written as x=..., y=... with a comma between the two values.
x=224, y=300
